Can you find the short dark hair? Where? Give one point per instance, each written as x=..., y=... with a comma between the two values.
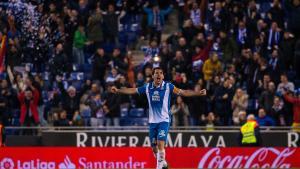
x=283, y=74
x=156, y=68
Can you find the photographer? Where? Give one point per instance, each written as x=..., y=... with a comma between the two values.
x=295, y=100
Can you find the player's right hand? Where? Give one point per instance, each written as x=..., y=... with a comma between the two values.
x=114, y=89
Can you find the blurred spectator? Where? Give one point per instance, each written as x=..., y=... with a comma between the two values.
x=228, y=47
x=195, y=15
x=182, y=81
x=8, y=99
x=295, y=100
x=189, y=30
x=38, y=84
x=222, y=102
x=70, y=98
x=156, y=20
x=216, y=83
x=99, y=65
x=197, y=106
x=60, y=119
x=278, y=112
x=14, y=58
x=113, y=76
x=122, y=83
x=152, y=50
x=275, y=66
x=276, y=13
x=263, y=119
x=111, y=24
x=29, y=107
x=200, y=56
x=239, y=103
x=242, y=118
x=94, y=28
x=4, y=116
x=285, y=84
x=80, y=40
x=267, y=97
x=58, y=62
x=210, y=121
x=211, y=67
x=178, y=63
x=217, y=18
x=263, y=84
x=130, y=74
x=140, y=80
x=96, y=105
x=111, y=107
x=293, y=8
x=287, y=46
x=180, y=113
x=77, y=119
x=118, y=61
x=274, y=36
x=242, y=35
x=183, y=46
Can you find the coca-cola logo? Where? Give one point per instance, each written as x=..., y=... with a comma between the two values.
x=261, y=158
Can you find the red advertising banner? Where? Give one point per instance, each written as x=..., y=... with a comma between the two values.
x=66, y=158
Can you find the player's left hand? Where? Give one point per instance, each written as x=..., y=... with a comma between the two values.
x=203, y=92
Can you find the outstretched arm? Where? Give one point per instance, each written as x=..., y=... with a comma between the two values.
x=189, y=93
x=124, y=90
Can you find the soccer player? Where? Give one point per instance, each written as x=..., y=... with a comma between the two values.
x=159, y=97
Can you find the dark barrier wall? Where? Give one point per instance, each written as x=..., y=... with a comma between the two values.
x=23, y=141
x=175, y=139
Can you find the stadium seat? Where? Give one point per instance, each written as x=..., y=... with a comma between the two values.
x=77, y=68
x=251, y=106
x=132, y=37
x=124, y=112
x=47, y=85
x=108, y=47
x=44, y=94
x=88, y=75
x=85, y=114
x=137, y=112
x=125, y=121
x=2, y=76
x=87, y=68
x=139, y=122
x=134, y=27
x=77, y=76
x=15, y=122
x=297, y=83
x=77, y=84
x=46, y=75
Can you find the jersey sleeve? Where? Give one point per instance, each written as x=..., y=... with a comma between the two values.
x=142, y=89
x=174, y=89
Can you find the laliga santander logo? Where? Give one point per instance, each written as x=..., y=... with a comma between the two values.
x=7, y=163
x=258, y=159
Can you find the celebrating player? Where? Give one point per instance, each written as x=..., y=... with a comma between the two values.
x=159, y=97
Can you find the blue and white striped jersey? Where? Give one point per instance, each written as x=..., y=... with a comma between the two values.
x=159, y=99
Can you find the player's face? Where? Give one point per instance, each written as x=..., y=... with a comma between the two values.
x=158, y=76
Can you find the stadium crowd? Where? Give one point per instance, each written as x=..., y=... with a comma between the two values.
x=61, y=57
